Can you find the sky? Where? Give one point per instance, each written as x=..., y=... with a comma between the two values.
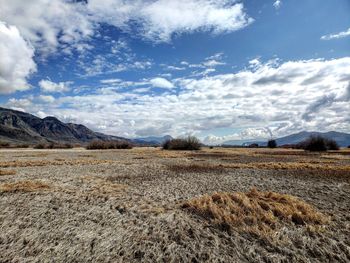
x=217, y=69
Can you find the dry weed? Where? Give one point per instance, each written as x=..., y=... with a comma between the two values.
x=7, y=172
x=196, y=168
x=24, y=186
x=258, y=213
x=102, y=187
x=51, y=162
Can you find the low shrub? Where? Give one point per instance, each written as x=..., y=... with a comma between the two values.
x=188, y=143
x=4, y=144
x=24, y=145
x=105, y=145
x=53, y=146
x=318, y=144
x=40, y=146
x=272, y=144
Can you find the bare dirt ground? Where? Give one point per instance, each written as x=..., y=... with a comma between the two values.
x=130, y=206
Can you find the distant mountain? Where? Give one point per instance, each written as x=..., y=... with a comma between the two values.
x=152, y=140
x=21, y=127
x=343, y=139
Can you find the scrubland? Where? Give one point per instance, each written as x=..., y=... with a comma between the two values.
x=152, y=205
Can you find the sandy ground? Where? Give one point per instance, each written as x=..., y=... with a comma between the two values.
x=125, y=205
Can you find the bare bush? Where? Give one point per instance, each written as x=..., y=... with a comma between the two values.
x=4, y=144
x=105, y=145
x=272, y=144
x=53, y=146
x=318, y=144
x=189, y=143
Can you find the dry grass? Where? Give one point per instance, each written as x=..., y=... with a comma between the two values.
x=258, y=213
x=98, y=186
x=196, y=168
x=7, y=172
x=24, y=186
x=51, y=162
x=288, y=166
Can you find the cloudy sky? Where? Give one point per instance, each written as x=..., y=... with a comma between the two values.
x=218, y=69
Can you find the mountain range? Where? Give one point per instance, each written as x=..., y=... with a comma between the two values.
x=21, y=127
x=343, y=139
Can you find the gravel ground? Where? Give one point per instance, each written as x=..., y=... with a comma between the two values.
x=125, y=205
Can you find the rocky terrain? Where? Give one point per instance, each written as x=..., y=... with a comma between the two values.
x=151, y=205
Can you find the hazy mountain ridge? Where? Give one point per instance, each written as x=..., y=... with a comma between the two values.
x=343, y=139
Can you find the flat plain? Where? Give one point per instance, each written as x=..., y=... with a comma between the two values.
x=152, y=205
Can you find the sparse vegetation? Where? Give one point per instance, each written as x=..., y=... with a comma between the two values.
x=140, y=193
x=272, y=144
x=22, y=145
x=4, y=144
x=318, y=144
x=106, y=145
x=189, y=143
x=7, y=172
x=259, y=213
x=196, y=168
x=57, y=162
x=24, y=186
x=53, y=146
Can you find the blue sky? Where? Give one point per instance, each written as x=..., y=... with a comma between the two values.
x=221, y=70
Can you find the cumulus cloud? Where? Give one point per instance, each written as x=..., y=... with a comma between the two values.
x=48, y=24
x=161, y=83
x=49, y=86
x=46, y=98
x=299, y=95
x=277, y=4
x=159, y=20
x=16, y=62
x=337, y=35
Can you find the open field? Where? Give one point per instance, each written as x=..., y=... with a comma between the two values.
x=150, y=205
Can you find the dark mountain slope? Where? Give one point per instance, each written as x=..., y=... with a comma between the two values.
x=17, y=126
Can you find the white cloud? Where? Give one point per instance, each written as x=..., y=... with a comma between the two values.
x=274, y=98
x=336, y=36
x=48, y=23
x=16, y=62
x=277, y=4
x=110, y=81
x=161, y=83
x=47, y=98
x=49, y=86
x=159, y=20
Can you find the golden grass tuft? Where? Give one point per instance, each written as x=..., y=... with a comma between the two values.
x=254, y=212
x=7, y=172
x=24, y=186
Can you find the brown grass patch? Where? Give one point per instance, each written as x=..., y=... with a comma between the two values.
x=254, y=212
x=196, y=168
x=24, y=186
x=7, y=172
x=51, y=162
